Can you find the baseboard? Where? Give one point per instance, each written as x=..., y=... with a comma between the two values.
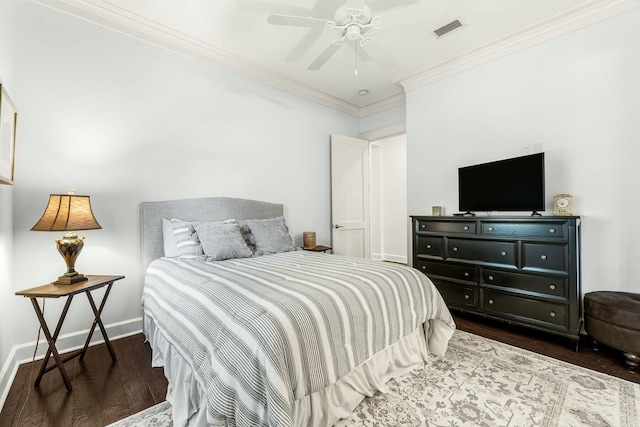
x=23, y=353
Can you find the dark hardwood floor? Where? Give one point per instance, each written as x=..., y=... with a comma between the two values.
x=104, y=392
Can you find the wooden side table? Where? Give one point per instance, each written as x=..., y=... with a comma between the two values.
x=319, y=248
x=69, y=291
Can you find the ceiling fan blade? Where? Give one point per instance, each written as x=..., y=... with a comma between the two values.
x=321, y=9
x=269, y=7
x=297, y=21
x=379, y=55
x=304, y=44
x=362, y=54
x=324, y=57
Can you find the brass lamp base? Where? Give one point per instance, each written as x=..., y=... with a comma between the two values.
x=69, y=280
x=69, y=247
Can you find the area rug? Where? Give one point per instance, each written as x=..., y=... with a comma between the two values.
x=481, y=382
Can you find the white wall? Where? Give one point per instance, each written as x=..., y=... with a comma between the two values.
x=579, y=96
x=383, y=119
x=389, y=199
x=126, y=122
x=6, y=203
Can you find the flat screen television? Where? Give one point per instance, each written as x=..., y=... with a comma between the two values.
x=515, y=184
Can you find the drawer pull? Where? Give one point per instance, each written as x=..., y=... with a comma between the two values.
x=423, y=226
x=466, y=227
x=466, y=274
x=455, y=249
x=428, y=246
x=490, y=301
x=543, y=257
x=552, y=314
x=503, y=253
x=552, y=287
x=490, y=277
x=466, y=296
x=552, y=230
x=424, y=267
x=490, y=228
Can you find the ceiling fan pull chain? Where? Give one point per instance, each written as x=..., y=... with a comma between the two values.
x=356, y=53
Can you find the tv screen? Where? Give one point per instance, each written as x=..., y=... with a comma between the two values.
x=515, y=184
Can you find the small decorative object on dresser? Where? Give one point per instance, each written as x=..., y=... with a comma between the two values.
x=309, y=239
x=562, y=204
x=436, y=210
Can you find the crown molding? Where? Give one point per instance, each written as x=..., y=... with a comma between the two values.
x=574, y=19
x=105, y=14
x=115, y=18
x=383, y=105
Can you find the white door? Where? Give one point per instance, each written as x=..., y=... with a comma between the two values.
x=350, y=196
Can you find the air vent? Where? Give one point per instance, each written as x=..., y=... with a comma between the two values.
x=447, y=28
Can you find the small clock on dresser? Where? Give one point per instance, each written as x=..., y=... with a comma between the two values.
x=562, y=204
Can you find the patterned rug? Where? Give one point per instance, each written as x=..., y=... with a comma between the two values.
x=481, y=382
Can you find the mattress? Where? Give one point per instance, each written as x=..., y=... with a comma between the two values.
x=289, y=339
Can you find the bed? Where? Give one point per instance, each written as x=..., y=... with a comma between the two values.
x=284, y=338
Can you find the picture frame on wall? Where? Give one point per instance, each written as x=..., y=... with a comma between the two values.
x=8, y=122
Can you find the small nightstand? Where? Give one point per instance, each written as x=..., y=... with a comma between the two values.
x=57, y=291
x=319, y=248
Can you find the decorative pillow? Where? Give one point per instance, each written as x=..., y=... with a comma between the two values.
x=248, y=237
x=222, y=240
x=187, y=244
x=170, y=246
x=271, y=235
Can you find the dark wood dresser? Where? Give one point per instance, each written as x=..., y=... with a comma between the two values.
x=522, y=270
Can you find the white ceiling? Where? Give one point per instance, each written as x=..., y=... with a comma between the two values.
x=235, y=33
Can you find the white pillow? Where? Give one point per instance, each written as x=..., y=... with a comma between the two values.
x=187, y=243
x=170, y=246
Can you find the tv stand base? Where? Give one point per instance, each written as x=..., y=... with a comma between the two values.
x=467, y=213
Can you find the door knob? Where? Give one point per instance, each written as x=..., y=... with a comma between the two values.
x=337, y=226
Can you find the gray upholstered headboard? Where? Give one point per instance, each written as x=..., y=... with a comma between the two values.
x=204, y=209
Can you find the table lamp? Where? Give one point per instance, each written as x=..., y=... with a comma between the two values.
x=68, y=212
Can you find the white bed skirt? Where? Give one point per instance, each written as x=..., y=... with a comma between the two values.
x=322, y=408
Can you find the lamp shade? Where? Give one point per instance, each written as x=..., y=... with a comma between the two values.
x=66, y=212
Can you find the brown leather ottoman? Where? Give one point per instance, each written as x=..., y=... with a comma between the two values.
x=613, y=318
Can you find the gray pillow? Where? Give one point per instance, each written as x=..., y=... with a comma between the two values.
x=187, y=244
x=246, y=233
x=222, y=240
x=271, y=235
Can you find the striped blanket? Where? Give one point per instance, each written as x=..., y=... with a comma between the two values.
x=260, y=333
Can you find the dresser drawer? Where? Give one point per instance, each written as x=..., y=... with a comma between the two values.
x=459, y=227
x=533, y=310
x=493, y=252
x=431, y=246
x=453, y=271
x=541, y=230
x=457, y=295
x=553, y=286
x=545, y=257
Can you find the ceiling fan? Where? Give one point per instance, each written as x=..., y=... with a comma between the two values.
x=352, y=22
